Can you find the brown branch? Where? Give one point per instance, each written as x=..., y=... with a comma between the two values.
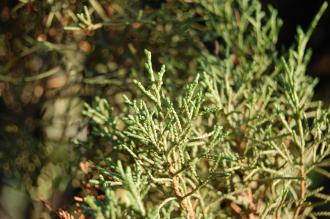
x=302, y=187
x=184, y=202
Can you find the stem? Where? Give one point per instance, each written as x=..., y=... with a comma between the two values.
x=184, y=202
x=302, y=187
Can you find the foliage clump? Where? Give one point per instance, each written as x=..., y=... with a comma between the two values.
x=229, y=129
x=244, y=139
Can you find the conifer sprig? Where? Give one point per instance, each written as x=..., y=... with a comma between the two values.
x=243, y=140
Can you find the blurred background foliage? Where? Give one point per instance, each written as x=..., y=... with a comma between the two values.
x=55, y=55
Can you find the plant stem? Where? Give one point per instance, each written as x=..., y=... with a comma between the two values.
x=302, y=187
x=184, y=202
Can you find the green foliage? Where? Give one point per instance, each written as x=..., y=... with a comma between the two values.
x=243, y=139
x=47, y=70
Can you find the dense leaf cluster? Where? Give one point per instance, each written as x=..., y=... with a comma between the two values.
x=243, y=139
x=229, y=129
